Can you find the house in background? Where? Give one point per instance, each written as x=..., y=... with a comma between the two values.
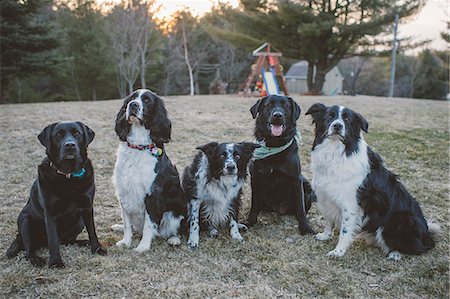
x=296, y=79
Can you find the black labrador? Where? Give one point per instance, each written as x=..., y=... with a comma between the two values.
x=276, y=180
x=61, y=199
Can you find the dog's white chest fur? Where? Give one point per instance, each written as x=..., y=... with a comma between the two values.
x=337, y=177
x=134, y=175
x=216, y=194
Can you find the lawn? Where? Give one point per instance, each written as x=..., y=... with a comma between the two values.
x=274, y=261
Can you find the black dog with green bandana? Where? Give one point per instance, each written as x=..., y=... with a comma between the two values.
x=276, y=180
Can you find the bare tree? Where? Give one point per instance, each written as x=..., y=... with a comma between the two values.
x=131, y=31
x=186, y=57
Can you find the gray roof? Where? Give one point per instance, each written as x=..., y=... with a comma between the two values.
x=298, y=70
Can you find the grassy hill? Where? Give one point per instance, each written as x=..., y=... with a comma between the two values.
x=274, y=261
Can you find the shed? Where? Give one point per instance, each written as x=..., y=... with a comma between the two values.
x=297, y=74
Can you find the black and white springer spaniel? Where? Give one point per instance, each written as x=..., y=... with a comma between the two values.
x=147, y=184
x=356, y=193
x=213, y=184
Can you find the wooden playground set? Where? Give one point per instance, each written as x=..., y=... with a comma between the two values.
x=266, y=76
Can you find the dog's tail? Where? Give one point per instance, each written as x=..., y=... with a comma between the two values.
x=15, y=247
x=433, y=228
x=118, y=228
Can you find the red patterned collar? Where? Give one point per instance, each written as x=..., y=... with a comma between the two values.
x=154, y=150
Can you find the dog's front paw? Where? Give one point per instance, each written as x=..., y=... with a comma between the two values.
x=322, y=236
x=193, y=244
x=56, y=263
x=141, y=248
x=174, y=241
x=336, y=253
x=394, y=256
x=36, y=261
x=124, y=243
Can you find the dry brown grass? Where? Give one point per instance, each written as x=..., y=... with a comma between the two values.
x=274, y=261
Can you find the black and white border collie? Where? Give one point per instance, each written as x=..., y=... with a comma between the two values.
x=147, y=184
x=356, y=193
x=213, y=184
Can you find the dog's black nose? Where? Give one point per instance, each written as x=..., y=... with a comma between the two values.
x=337, y=127
x=231, y=167
x=69, y=145
x=134, y=105
x=277, y=114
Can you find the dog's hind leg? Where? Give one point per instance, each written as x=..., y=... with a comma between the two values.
x=15, y=247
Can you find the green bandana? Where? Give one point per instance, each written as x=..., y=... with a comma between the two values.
x=265, y=151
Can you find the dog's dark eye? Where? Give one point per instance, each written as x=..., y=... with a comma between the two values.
x=345, y=117
x=76, y=134
x=237, y=156
x=331, y=115
x=59, y=135
x=222, y=157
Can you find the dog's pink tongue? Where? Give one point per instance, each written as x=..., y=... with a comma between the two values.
x=276, y=130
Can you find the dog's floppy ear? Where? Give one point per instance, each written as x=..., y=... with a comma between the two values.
x=122, y=127
x=255, y=108
x=45, y=137
x=208, y=148
x=296, y=110
x=316, y=111
x=249, y=147
x=161, y=126
x=88, y=133
x=363, y=122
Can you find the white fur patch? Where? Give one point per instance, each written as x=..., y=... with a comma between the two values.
x=336, y=179
x=134, y=174
x=169, y=225
x=216, y=194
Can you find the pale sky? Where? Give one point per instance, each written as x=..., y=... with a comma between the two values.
x=426, y=25
x=429, y=23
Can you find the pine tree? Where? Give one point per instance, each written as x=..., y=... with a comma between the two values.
x=428, y=82
x=321, y=32
x=26, y=41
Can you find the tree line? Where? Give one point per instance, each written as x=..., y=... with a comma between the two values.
x=54, y=50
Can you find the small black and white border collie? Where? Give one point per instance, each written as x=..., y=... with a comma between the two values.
x=147, y=184
x=213, y=184
x=356, y=193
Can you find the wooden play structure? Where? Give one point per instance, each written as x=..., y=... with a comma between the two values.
x=266, y=77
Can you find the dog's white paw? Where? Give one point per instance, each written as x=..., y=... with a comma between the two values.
x=237, y=237
x=142, y=248
x=124, y=243
x=336, y=252
x=192, y=243
x=174, y=241
x=322, y=236
x=394, y=256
